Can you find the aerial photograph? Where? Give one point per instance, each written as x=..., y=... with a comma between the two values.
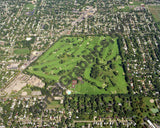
x=79, y=63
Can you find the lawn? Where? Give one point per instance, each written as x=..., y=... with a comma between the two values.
x=22, y=51
x=94, y=59
x=30, y=6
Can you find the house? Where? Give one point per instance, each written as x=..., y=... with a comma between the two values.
x=74, y=82
x=1, y=43
x=80, y=78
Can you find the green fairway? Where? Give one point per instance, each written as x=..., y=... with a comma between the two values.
x=23, y=51
x=93, y=62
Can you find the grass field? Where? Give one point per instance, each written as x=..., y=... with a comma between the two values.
x=23, y=51
x=94, y=58
x=54, y=104
x=155, y=10
x=137, y=2
x=125, y=9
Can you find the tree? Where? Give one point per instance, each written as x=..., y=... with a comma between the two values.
x=94, y=71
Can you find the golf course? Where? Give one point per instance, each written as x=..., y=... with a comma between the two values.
x=84, y=65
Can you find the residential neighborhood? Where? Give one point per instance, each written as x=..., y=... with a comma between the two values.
x=32, y=89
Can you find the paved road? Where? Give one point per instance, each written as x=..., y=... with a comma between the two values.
x=26, y=64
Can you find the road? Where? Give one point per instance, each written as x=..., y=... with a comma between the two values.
x=65, y=32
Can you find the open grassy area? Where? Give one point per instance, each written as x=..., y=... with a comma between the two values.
x=137, y=2
x=29, y=6
x=154, y=110
x=125, y=9
x=94, y=59
x=19, y=93
x=148, y=103
x=22, y=51
x=54, y=104
x=155, y=10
